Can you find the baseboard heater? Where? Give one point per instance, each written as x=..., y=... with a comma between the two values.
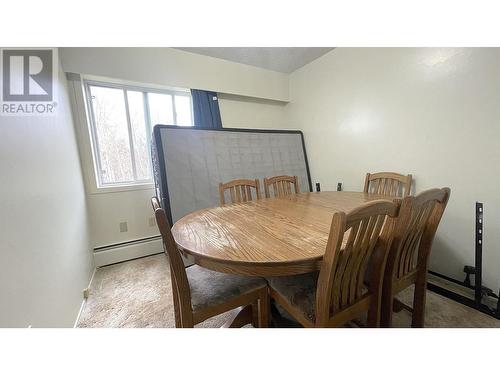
x=474, y=295
x=120, y=252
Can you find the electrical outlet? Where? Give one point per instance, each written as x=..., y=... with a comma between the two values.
x=123, y=226
x=86, y=293
x=152, y=221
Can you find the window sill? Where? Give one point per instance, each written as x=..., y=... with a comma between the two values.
x=120, y=189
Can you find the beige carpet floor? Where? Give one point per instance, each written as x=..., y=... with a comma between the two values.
x=138, y=294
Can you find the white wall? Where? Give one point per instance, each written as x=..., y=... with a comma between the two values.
x=171, y=67
x=109, y=209
x=45, y=254
x=242, y=112
x=251, y=97
x=430, y=112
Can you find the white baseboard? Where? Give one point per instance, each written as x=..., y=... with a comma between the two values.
x=84, y=300
x=120, y=253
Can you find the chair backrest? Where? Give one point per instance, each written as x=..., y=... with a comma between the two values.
x=180, y=283
x=388, y=183
x=354, y=239
x=282, y=185
x=414, y=231
x=239, y=190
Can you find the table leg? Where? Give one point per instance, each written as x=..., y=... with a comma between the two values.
x=280, y=321
x=242, y=316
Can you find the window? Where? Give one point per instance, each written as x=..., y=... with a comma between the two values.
x=122, y=118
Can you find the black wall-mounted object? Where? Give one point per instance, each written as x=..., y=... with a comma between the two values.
x=318, y=187
x=478, y=279
x=339, y=186
x=480, y=291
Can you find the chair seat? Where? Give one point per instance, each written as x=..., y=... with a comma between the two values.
x=299, y=291
x=211, y=288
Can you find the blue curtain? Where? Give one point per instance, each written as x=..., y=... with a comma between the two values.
x=206, y=109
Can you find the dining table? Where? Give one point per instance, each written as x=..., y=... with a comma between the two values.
x=265, y=237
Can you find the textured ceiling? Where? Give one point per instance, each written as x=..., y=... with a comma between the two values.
x=280, y=59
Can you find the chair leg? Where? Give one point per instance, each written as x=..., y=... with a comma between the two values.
x=419, y=304
x=255, y=314
x=386, y=308
x=185, y=318
x=177, y=310
x=373, y=318
x=264, y=310
x=178, y=323
x=399, y=306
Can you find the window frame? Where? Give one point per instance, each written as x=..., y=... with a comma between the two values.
x=144, y=90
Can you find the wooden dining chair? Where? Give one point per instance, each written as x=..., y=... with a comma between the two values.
x=239, y=190
x=337, y=294
x=388, y=183
x=413, y=233
x=200, y=293
x=282, y=185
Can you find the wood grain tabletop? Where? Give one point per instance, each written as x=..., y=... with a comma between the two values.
x=265, y=237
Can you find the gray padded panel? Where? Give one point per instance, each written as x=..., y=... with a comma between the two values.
x=197, y=160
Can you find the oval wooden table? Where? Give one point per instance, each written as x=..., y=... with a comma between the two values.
x=266, y=237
